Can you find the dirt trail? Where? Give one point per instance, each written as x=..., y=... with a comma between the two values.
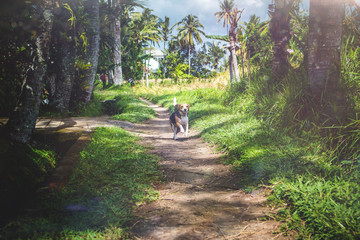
x=200, y=199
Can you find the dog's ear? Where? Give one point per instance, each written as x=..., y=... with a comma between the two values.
x=188, y=106
x=177, y=107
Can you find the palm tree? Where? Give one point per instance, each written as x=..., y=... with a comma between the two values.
x=280, y=34
x=231, y=15
x=165, y=30
x=119, y=5
x=216, y=53
x=234, y=19
x=84, y=86
x=255, y=33
x=148, y=30
x=325, y=19
x=63, y=55
x=149, y=34
x=22, y=120
x=190, y=32
x=226, y=8
x=118, y=75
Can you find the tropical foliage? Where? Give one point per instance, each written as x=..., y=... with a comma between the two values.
x=289, y=119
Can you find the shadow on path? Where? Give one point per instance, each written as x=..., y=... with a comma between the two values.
x=201, y=198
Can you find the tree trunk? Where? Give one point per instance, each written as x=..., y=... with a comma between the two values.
x=22, y=121
x=118, y=78
x=189, y=60
x=231, y=70
x=280, y=34
x=64, y=48
x=242, y=63
x=324, y=43
x=84, y=85
x=234, y=61
x=232, y=36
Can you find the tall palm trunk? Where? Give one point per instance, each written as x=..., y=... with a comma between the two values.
x=118, y=78
x=324, y=43
x=280, y=34
x=232, y=36
x=231, y=70
x=21, y=123
x=63, y=47
x=84, y=86
x=189, y=60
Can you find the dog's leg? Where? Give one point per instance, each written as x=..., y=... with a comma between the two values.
x=187, y=129
x=175, y=131
x=181, y=129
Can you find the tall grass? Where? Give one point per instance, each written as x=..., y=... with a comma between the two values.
x=274, y=133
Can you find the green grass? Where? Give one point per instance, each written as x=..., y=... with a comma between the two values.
x=127, y=107
x=323, y=208
x=259, y=152
x=316, y=184
x=113, y=175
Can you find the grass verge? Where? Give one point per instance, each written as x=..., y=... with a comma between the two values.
x=121, y=103
x=112, y=177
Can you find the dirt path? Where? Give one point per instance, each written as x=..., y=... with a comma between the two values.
x=70, y=136
x=200, y=199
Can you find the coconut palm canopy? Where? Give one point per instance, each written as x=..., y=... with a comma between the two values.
x=190, y=30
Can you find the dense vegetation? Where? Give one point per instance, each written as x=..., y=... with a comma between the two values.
x=287, y=114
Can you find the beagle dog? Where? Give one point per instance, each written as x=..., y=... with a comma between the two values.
x=179, y=119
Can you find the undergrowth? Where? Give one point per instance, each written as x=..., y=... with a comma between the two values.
x=113, y=175
x=22, y=169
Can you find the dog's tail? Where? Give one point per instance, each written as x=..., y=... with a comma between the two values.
x=174, y=101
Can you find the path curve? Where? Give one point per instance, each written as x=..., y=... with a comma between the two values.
x=199, y=199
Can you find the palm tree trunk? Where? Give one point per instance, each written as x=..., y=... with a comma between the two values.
x=231, y=70
x=234, y=61
x=280, y=34
x=63, y=49
x=82, y=92
x=232, y=37
x=189, y=59
x=324, y=43
x=65, y=77
x=21, y=123
x=118, y=78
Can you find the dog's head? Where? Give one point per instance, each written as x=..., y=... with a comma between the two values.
x=183, y=108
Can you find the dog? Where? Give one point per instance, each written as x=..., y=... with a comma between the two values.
x=179, y=119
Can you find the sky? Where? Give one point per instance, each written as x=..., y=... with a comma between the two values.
x=205, y=10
